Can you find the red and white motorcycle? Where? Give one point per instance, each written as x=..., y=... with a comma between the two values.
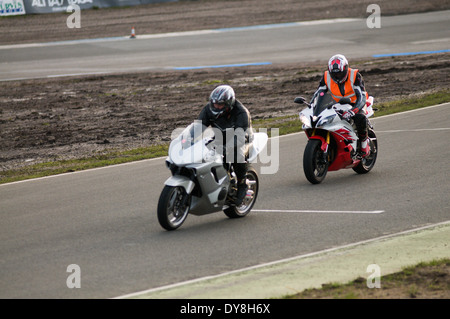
x=332, y=140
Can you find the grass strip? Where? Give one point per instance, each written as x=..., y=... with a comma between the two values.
x=423, y=280
x=285, y=124
x=66, y=166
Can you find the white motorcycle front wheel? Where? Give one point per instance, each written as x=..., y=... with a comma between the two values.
x=315, y=166
x=173, y=207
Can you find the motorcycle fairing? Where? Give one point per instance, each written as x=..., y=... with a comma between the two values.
x=182, y=181
x=340, y=156
x=324, y=145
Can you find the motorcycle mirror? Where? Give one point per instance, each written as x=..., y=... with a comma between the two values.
x=344, y=100
x=299, y=100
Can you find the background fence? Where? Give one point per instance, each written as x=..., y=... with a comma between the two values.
x=15, y=7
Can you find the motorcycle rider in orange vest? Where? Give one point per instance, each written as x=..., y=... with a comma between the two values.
x=341, y=81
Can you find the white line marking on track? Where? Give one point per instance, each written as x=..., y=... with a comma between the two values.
x=318, y=211
x=431, y=41
x=416, y=130
x=179, y=34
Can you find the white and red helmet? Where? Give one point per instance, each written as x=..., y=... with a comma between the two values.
x=338, y=68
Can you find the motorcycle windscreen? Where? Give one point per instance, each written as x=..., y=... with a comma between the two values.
x=258, y=144
x=189, y=147
x=322, y=102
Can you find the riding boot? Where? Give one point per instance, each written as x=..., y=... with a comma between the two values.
x=242, y=187
x=361, y=127
x=365, y=147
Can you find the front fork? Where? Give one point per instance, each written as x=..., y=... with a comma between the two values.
x=325, y=143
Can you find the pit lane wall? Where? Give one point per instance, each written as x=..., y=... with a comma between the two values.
x=16, y=7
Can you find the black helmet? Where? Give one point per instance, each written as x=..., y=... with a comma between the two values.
x=338, y=68
x=221, y=95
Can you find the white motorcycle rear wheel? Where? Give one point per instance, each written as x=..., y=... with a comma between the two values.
x=249, y=200
x=366, y=164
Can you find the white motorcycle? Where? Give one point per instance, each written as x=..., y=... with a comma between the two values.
x=332, y=140
x=201, y=183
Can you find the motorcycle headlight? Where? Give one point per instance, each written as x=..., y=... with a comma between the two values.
x=305, y=120
x=326, y=120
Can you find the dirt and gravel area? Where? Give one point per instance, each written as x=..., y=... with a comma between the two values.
x=52, y=119
x=66, y=118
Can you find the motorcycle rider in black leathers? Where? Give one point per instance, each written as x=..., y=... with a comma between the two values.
x=226, y=113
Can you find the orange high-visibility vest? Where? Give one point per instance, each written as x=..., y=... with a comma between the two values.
x=333, y=87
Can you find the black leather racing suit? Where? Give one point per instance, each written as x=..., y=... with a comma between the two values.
x=230, y=122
